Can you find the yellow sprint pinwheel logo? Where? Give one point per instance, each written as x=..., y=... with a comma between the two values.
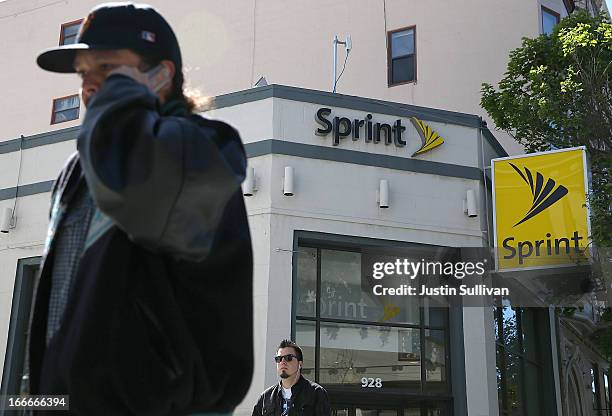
x=543, y=195
x=390, y=312
x=429, y=138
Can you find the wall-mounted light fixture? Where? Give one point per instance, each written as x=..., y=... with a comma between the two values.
x=383, y=194
x=6, y=216
x=8, y=219
x=249, y=187
x=288, y=181
x=470, y=207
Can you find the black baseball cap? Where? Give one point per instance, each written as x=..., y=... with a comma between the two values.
x=138, y=27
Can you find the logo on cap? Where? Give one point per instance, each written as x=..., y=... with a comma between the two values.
x=148, y=36
x=86, y=23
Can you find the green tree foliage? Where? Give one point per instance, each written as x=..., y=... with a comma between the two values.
x=557, y=92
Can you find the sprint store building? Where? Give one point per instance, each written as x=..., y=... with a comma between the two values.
x=329, y=176
x=333, y=176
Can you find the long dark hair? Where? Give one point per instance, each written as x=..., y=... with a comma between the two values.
x=192, y=99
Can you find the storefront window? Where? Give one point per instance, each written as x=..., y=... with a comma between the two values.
x=357, y=342
x=412, y=411
x=520, y=366
x=351, y=352
x=305, y=338
x=344, y=295
x=435, y=356
x=307, y=283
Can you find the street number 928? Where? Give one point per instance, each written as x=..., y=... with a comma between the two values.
x=370, y=382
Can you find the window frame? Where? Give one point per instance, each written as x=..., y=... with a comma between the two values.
x=53, y=112
x=542, y=361
x=607, y=396
x=596, y=389
x=324, y=241
x=16, y=346
x=390, y=82
x=63, y=27
x=544, y=9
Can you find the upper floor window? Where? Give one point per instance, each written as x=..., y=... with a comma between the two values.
x=69, y=31
x=402, y=55
x=550, y=19
x=65, y=109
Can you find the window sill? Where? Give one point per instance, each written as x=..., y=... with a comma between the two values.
x=63, y=121
x=401, y=83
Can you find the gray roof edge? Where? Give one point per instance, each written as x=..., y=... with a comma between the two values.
x=239, y=97
x=40, y=139
x=26, y=190
x=342, y=100
x=490, y=138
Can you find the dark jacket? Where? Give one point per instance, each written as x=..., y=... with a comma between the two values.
x=308, y=399
x=165, y=280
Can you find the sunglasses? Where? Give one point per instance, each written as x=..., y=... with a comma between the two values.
x=288, y=358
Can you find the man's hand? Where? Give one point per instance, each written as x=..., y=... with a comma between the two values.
x=155, y=79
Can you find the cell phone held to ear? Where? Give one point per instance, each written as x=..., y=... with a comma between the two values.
x=158, y=77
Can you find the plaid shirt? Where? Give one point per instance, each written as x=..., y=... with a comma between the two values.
x=69, y=244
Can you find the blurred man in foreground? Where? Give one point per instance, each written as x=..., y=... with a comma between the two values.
x=147, y=237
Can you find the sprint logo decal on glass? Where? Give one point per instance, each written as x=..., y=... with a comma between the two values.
x=429, y=138
x=540, y=209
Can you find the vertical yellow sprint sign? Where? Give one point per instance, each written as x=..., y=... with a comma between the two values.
x=540, y=213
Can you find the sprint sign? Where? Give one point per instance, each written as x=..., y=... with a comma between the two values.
x=540, y=209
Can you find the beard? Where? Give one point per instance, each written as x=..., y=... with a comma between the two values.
x=284, y=374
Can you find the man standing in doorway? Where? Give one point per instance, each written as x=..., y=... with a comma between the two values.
x=147, y=269
x=294, y=395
